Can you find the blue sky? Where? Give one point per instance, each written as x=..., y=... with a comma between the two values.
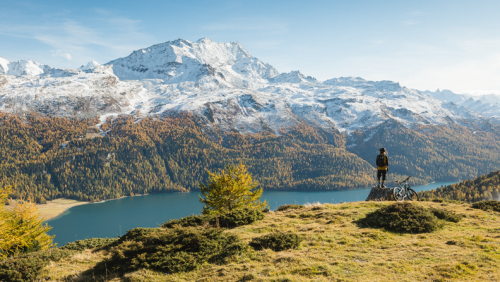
x=421, y=44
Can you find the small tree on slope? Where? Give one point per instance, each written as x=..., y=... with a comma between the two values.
x=230, y=189
x=21, y=230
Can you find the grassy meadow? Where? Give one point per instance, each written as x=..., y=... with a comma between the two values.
x=336, y=248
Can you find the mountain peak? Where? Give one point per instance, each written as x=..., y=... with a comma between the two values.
x=204, y=40
x=90, y=65
x=181, y=61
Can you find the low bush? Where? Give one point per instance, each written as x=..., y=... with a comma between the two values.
x=239, y=217
x=188, y=221
x=29, y=267
x=403, y=218
x=491, y=205
x=170, y=250
x=289, y=207
x=232, y=219
x=277, y=241
x=92, y=243
x=446, y=214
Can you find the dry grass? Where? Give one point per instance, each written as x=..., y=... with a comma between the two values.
x=337, y=249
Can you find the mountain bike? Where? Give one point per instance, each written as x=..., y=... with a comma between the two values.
x=404, y=191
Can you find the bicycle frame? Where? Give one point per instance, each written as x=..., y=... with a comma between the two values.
x=404, y=191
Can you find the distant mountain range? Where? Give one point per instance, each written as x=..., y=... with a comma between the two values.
x=229, y=89
x=186, y=107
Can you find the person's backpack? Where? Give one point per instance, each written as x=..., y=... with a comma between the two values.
x=380, y=160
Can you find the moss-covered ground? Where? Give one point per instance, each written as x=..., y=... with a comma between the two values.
x=337, y=248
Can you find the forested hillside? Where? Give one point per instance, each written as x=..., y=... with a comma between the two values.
x=46, y=158
x=433, y=153
x=49, y=157
x=484, y=187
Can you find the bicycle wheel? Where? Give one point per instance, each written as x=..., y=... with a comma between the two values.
x=411, y=195
x=398, y=194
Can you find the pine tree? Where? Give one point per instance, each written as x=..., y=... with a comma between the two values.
x=230, y=189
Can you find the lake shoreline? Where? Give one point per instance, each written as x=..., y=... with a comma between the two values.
x=78, y=203
x=114, y=218
x=54, y=208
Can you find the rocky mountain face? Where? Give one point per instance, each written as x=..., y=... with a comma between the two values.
x=228, y=89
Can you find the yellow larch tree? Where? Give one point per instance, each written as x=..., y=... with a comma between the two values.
x=230, y=189
x=21, y=230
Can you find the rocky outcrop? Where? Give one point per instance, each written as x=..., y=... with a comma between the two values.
x=380, y=194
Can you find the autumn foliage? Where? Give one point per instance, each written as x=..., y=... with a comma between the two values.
x=230, y=189
x=21, y=230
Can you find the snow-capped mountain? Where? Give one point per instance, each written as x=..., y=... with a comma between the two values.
x=487, y=105
x=201, y=61
x=22, y=67
x=227, y=88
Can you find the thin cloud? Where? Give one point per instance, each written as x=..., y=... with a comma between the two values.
x=104, y=34
x=59, y=53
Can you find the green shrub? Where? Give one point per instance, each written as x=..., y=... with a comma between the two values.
x=487, y=205
x=403, y=218
x=289, y=207
x=170, y=250
x=232, y=219
x=29, y=267
x=277, y=241
x=92, y=243
x=446, y=214
x=191, y=220
x=239, y=217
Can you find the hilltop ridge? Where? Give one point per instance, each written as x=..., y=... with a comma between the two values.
x=335, y=247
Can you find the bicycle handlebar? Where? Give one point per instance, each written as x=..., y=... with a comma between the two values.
x=403, y=180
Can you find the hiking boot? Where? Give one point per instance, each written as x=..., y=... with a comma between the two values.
x=383, y=186
x=378, y=186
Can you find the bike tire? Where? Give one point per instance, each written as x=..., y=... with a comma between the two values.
x=411, y=195
x=398, y=196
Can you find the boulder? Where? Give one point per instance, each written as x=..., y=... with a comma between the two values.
x=380, y=194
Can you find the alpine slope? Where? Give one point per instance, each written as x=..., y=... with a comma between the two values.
x=228, y=89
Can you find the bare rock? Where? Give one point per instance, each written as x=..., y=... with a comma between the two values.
x=380, y=194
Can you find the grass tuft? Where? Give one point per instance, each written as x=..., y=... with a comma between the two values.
x=277, y=241
x=289, y=207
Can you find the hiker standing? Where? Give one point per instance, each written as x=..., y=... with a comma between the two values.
x=382, y=166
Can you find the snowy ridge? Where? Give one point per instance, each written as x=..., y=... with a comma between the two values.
x=22, y=67
x=486, y=105
x=227, y=88
x=292, y=77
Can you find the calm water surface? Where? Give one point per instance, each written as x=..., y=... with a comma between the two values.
x=115, y=217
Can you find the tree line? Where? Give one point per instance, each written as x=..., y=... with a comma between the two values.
x=484, y=187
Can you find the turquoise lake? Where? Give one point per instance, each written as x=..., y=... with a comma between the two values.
x=113, y=218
